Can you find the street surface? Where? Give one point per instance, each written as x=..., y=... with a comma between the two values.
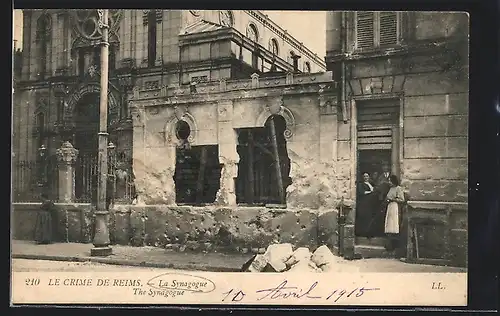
x=25, y=265
x=357, y=266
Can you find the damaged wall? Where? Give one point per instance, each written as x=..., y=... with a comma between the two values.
x=213, y=228
x=215, y=113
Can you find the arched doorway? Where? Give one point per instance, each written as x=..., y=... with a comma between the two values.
x=86, y=118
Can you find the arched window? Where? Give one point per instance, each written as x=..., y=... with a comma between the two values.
x=274, y=47
x=252, y=32
x=43, y=32
x=307, y=67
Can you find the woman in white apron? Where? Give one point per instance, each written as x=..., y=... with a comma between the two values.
x=395, y=197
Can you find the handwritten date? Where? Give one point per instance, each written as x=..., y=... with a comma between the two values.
x=286, y=291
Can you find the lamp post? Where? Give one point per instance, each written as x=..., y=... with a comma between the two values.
x=42, y=153
x=101, y=237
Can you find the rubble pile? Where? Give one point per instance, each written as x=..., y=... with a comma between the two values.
x=283, y=258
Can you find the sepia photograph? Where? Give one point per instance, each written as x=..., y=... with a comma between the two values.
x=239, y=157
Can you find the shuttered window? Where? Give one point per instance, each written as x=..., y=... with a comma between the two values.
x=376, y=122
x=378, y=112
x=388, y=28
x=376, y=29
x=365, y=29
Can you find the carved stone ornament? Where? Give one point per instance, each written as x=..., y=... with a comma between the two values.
x=67, y=154
x=226, y=18
x=88, y=25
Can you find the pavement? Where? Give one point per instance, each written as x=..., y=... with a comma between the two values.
x=154, y=257
x=27, y=265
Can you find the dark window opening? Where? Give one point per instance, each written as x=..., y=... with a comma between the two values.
x=264, y=167
x=197, y=170
x=151, y=38
x=255, y=60
x=43, y=37
x=197, y=174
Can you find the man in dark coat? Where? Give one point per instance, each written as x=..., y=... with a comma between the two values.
x=382, y=186
x=383, y=182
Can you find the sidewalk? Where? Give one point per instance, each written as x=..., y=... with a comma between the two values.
x=131, y=256
x=216, y=262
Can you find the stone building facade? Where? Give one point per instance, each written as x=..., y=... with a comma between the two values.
x=404, y=87
x=58, y=89
x=248, y=157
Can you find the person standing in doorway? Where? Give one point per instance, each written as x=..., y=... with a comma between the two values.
x=384, y=176
x=395, y=198
x=365, y=208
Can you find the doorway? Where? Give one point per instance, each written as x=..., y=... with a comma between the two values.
x=377, y=140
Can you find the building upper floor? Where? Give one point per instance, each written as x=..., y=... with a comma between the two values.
x=360, y=34
x=67, y=41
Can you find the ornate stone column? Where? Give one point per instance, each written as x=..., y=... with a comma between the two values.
x=66, y=157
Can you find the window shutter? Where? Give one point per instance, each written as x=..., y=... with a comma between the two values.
x=388, y=28
x=364, y=29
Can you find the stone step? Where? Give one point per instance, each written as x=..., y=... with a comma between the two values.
x=367, y=251
x=376, y=241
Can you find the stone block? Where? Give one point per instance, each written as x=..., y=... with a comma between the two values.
x=349, y=243
x=367, y=69
x=275, y=266
x=121, y=233
x=458, y=219
x=298, y=228
x=137, y=227
x=344, y=131
x=279, y=252
x=327, y=228
x=434, y=83
x=343, y=150
x=436, y=147
x=355, y=86
x=432, y=190
x=306, y=132
x=441, y=104
x=258, y=263
x=226, y=133
x=328, y=151
x=443, y=125
x=74, y=225
x=458, y=247
x=435, y=169
x=322, y=256
x=328, y=127
x=433, y=25
x=24, y=221
x=225, y=111
x=245, y=112
x=206, y=137
x=300, y=254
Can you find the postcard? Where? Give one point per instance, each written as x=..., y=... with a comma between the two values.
x=239, y=157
